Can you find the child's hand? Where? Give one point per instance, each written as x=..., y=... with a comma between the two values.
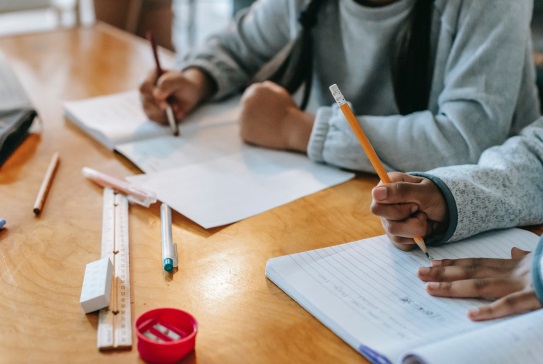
x=507, y=280
x=270, y=118
x=181, y=90
x=409, y=207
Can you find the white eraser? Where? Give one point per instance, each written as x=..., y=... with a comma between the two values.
x=96, y=290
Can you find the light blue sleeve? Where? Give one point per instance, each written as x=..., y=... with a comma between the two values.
x=479, y=67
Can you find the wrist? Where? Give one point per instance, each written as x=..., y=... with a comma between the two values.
x=205, y=85
x=297, y=129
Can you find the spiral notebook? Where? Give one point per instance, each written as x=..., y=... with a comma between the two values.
x=368, y=294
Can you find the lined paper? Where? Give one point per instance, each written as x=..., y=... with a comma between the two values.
x=368, y=293
x=512, y=341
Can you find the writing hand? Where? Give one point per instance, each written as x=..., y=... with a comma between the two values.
x=181, y=90
x=509, y=281
x=409, y=207
x=270, y=118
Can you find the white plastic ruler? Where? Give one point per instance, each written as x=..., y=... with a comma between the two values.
x=115, y=322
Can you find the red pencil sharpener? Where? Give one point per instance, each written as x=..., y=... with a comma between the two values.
x=165, y=335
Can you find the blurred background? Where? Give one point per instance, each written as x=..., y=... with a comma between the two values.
x=178, y=25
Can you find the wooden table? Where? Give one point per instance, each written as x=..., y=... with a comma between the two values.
x=243, y=317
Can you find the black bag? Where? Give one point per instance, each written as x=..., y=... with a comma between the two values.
x=14, y=125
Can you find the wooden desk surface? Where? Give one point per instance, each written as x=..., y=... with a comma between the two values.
x=242, y=316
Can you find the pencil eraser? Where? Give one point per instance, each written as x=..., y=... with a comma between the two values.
x=96, y=290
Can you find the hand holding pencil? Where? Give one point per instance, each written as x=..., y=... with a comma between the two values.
x=159, y=71
x=368, y=148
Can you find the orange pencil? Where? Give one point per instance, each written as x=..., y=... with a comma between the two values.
x=366, y=145
x=46, y=184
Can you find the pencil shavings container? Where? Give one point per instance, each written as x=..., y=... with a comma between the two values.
x=165, y=335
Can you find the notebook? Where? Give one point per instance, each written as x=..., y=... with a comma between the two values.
x=16, y=111
x=368, y=294
x=206, y=173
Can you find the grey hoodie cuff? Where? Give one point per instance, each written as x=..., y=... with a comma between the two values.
x=451, y=206
x=315, y=148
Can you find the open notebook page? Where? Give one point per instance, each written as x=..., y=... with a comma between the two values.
x=513, y=341
x=367, y=292
x=114, y=119
x=209, y=133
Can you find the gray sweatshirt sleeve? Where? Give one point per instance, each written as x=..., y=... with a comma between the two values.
x=505, y=188
x=482, y=70
x=233, y=56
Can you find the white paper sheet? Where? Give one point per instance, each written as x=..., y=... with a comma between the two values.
x=210, y=133
x=231, y=188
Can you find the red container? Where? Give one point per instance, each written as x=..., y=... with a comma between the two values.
x=165, y=335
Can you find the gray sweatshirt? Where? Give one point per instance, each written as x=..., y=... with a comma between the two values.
x=504, y=189
x=483, y=87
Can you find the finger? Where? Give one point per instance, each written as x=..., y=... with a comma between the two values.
x=513, y=304
x=146, y=87
x=517, y=253
x=405, y=245
x=458, y=273
x=403, y=177
x=402, y=243
x=168, y=84
x=476, y=262
x=394, y=212
x=152, y=109
x=475, y=288
x=400, y=192
x=414, y=226
x=274, y=87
